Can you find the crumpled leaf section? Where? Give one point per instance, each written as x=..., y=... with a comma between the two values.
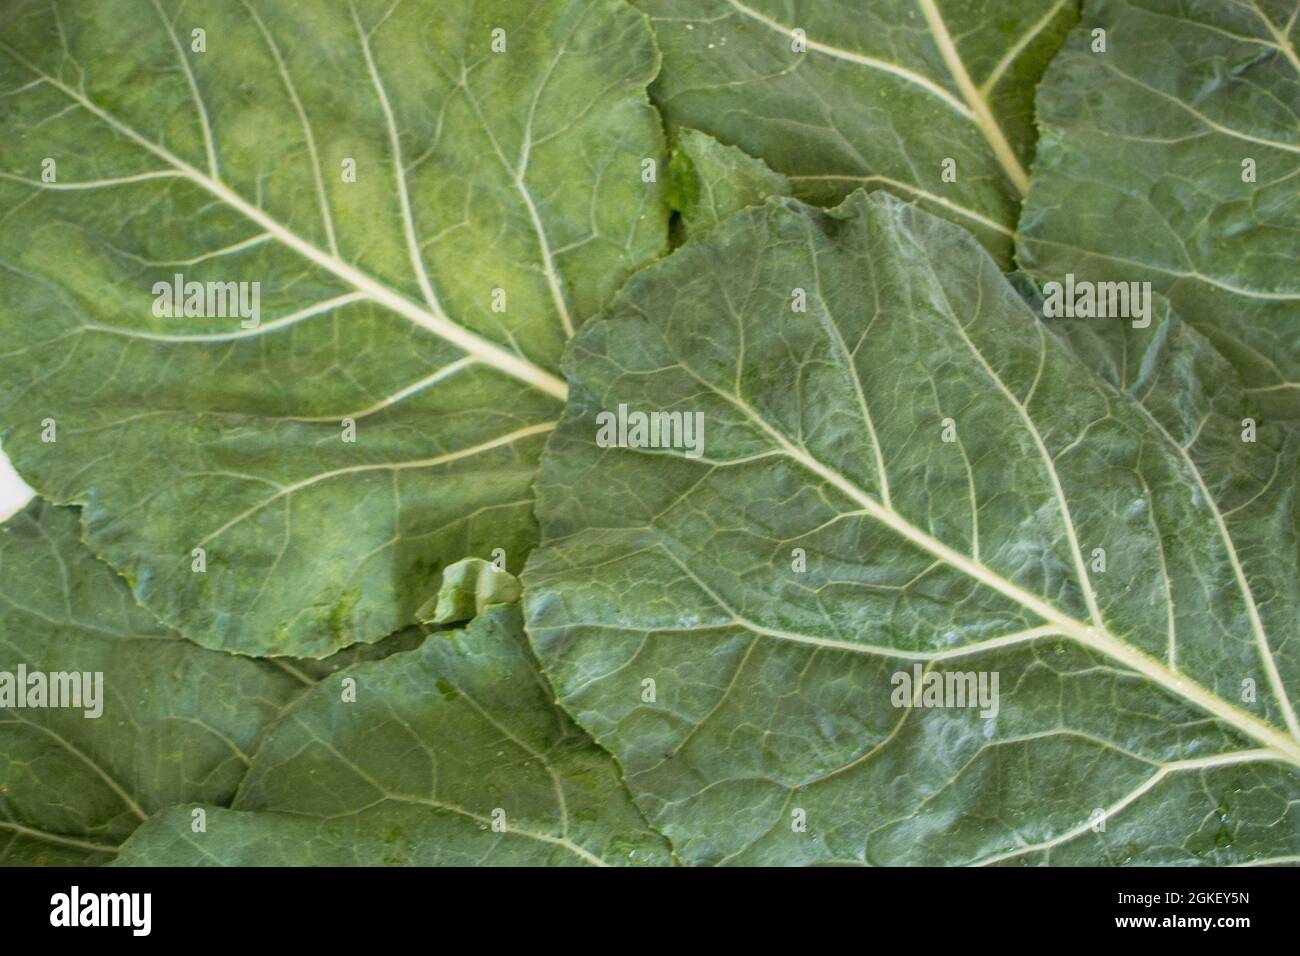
x=710, y=181
x=468, y=587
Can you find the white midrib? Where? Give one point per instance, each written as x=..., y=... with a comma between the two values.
x=1058, y=490
x=399, y=170
x=979, y=106
x=1279, y=35
x=885, y=66
x=1252, y=610
x=486, y=352
x=1096, y=638
x=972, y=105
x=444, y=459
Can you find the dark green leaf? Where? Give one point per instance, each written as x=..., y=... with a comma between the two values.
x=829, y=539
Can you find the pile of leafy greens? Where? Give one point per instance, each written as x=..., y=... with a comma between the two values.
x=364, y=585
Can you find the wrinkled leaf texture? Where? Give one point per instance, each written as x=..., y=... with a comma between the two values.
x=1121, y=692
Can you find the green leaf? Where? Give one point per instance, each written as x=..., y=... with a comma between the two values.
x=882, y=95
x=468, y=587
x=828, y=539
x=1140, y=172
x=476, y=171
x=178, y=724
x=439, y=743
x=710, y=181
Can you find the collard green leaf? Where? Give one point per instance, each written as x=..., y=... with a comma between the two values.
x=711, y=181
x=829, y=539
x=881, y=94
x=452, y=753
x=498, y=200
x=177, y=723
x=1171, y=158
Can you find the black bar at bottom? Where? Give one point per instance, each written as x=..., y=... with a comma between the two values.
x=335, y=906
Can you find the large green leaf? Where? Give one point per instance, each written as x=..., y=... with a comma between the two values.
x=178, y=723
x=883, y=94
x=1146, y=712
x=440, y=744
x=476, y=171
x=1139, y=173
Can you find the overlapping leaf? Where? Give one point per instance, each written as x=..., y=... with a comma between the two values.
x=178, y=723
x=830, y=537
x=711, y=181
x=1172, y=157
x=498, y=153
x=882, y=94
x=453, y=753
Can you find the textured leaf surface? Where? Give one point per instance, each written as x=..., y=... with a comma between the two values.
x=882, y=95
x=179, y=723
x=475, y=171
x=1121, y=692
x=1139, y=172
x=437, y=739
